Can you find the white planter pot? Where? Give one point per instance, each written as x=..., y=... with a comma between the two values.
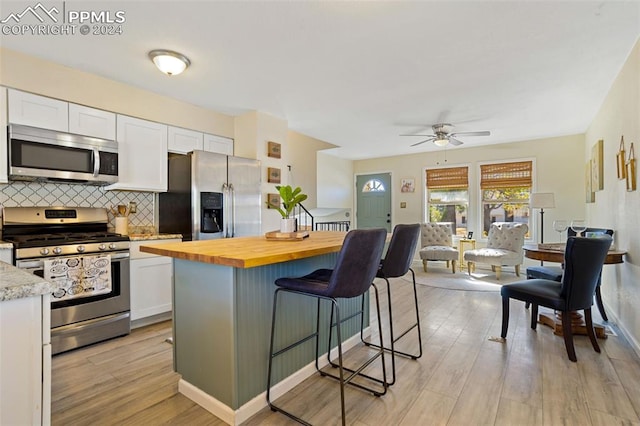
x=287, y=225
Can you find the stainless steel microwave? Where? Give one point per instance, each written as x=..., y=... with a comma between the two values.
x=46, y=155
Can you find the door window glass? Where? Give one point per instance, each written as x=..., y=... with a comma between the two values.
x=373, y=185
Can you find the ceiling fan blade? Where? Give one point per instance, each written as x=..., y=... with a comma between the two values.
x=421, y=142
x=481, y=133
x=454, y=141
x=417, y=134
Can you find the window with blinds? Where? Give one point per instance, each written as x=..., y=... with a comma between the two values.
x=506, y=188
x=448, y=196
x=506, y=175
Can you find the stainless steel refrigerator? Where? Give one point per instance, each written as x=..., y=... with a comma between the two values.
x=211, y=196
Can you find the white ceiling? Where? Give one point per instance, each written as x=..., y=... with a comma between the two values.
x=358, y=74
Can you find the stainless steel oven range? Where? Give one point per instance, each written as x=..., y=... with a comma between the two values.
x=88, y=266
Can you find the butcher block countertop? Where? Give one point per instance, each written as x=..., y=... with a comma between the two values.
x=249, y=252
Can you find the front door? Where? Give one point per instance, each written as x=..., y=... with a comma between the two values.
x=373, y=201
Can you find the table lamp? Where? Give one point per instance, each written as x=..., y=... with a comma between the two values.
x=542, y=200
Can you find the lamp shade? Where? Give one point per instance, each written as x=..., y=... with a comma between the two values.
x=169, y=62
x=441, y=141
x=542, y=200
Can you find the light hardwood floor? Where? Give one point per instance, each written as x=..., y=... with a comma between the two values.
x=462, y=379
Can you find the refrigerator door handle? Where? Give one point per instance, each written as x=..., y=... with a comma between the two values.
x=232, y=200
x=225, y=209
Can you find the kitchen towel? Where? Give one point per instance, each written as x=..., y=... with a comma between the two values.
x=78, y=276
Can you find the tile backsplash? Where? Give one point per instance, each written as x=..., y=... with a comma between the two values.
x=29, y=194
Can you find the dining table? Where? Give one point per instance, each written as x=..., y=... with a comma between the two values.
x=554, y=252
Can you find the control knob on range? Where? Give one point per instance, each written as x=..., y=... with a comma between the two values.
x=102, y=247
x=57, y=250
x=112, y=246
x=44, y=251
x=80, y=249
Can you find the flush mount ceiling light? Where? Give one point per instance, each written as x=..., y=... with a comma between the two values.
x=169, y=62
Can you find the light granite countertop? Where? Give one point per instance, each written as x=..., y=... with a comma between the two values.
x=4, y=245
x=17, y=284
x=150, y=237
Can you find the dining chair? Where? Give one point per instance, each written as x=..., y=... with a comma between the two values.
x=397, y=263
x=583, y=261
x=555, y=272
x=355, y=269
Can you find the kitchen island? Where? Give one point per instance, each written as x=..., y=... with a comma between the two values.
x=223, y=296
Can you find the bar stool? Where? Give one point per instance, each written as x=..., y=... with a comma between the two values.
x=397, y=263
x=352, y=276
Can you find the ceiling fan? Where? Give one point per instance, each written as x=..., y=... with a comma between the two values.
x=443, y=137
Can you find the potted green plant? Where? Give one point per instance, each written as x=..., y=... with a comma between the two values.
x=290, y=199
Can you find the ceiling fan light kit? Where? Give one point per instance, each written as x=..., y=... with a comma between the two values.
x=442, y=136
x=169, y=62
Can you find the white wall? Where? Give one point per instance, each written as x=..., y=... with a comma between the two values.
x=335, y=181
x=615, y=207
x=303, y=153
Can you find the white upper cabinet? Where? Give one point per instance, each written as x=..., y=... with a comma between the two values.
x=92, y=122
x=142, y=155
x=3, y=135
x=182, y=140
x=219, y=144
x=38, y=111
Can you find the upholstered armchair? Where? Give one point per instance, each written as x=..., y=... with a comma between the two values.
x=504, y=248
x=436, y=243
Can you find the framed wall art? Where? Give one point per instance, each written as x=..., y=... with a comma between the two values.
x=274, y=149
x=621, y=159
x=273, y=175
x=590, y=196
x=273, y=200
x=631, y=170
x=407, y=185
x=597, y=166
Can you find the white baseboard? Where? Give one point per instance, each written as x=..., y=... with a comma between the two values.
x=635, y=345
x=242, y=414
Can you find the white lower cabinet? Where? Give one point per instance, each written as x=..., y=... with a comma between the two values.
x=151, y=282
x=6, y=255
x=25, y=361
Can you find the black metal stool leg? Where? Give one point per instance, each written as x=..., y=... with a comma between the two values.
x=358, y=372
x=394, y=339
x=272, y=355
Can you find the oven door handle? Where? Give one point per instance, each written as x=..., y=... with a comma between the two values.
x=38, y=263
x=96, y=162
